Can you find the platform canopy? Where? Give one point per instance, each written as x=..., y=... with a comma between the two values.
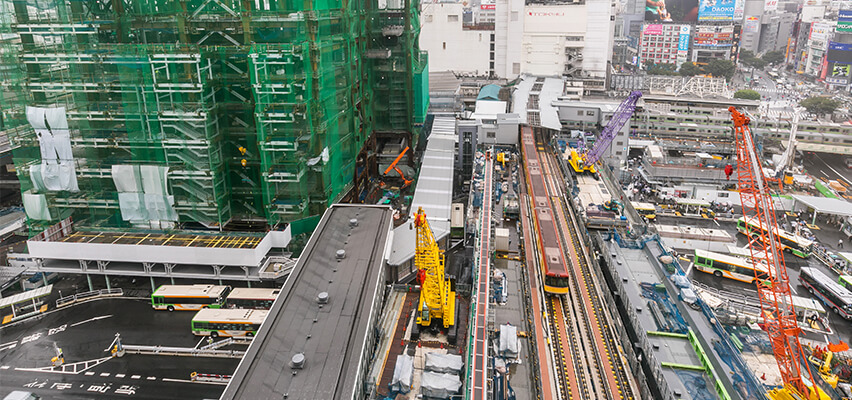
x=825, y=205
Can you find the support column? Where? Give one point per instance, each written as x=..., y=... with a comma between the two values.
x=89, y=279
x=153, y=287
x=44, y=277
x=106, y=278
x=813, y=220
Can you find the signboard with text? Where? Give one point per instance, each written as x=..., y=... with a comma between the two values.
x=844, y=21
x=770, y=5
x=676, y=11
x=716, y=10
x=751, y=25
x=683, y=44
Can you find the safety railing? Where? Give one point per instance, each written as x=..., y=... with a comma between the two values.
x=94, y=294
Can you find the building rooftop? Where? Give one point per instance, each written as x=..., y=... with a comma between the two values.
x=489, y=92
x=331, y=337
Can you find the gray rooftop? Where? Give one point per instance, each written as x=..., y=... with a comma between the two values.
x=333, y=337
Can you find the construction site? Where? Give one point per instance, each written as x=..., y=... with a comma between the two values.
x=223, y=115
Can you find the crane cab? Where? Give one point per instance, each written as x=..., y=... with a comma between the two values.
x=578, y=163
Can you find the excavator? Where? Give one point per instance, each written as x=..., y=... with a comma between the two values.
x=585, y=162
x=437, y=298
x=405, y=181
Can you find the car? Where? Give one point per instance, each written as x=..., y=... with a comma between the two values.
x=848, y=161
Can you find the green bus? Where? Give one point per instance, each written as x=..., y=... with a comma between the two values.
x=726, y=266
x=189, y=297
x=233, y=322
x=799, y=246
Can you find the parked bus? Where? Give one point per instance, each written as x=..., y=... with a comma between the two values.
x=252, y=298
x=647, y=210
x=791, y=242
x=831, y=293
x=227, y=322
x=845, y=281
x=729, y=267
x=189, y=297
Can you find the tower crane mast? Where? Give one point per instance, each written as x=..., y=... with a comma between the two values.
x=776, y=302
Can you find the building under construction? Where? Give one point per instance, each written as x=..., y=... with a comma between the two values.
x=190, y=113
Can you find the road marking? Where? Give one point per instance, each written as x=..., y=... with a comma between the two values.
x=793, y=289
x=9, y=346
x=823, y=172
x=92, y=319
x=135, y=376
x=89, y=373
x=152, y=378
x=187, y=381
x=104, y=373
x=119, y=375
x=4, y=367
x=199, y=342
x=6, y=344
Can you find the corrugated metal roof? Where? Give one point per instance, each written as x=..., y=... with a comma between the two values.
x=434, y=191
x=25, y=296
x=550, y=92
x=825, y=205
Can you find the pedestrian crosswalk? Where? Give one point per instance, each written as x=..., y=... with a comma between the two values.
x=773, y=92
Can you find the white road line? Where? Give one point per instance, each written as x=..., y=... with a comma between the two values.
x=793, y=289
x=89, y=373
x=9, y=346
x=119, y=375
x=823, y=172
x=4, y=367
x=6, y=344
x=135, y=376
x=92, y=319
x=199, y=342
x=152, y=378
x=188, y=381
x=104, y=373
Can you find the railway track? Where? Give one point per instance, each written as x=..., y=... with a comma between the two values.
x=584, y=347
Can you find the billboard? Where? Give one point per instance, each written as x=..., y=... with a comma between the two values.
x=739, y=10
x=844, y=21
x=683, y=44
x=716, y=10
x=653, y=29
x=820, y=31
x=751, y=25
x=839, y=70
x=770, y=5
x=713, y=36
x=672, y=10
x=839, y=53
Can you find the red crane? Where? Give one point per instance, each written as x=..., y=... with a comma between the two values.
x=776, y=302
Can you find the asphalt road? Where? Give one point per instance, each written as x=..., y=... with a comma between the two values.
x=829, y=166
x=84, y=331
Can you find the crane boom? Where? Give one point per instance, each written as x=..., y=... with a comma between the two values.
x=586, y=161
x=776, y=302
x=437, y=299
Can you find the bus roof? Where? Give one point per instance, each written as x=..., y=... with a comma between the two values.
x=190, y=290
x=828, y=283
x=230, y=315
x=781, y=232
x=254, y=293
x=741, y=262
x=693, y=202
x=643, y=206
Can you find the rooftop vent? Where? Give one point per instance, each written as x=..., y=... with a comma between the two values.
x=353, y=222
x=322, y=298
x=298, y=361
x=341, y=254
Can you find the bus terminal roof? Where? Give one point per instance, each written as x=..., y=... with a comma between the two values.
x=825, y=205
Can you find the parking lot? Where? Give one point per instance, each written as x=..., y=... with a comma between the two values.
x=84, y=332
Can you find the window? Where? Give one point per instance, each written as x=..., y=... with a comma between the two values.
x=619, y=143
x=491, y=134
x=516, y=68
x=580, y=113
x=445, y=45
x=452, y=18
x=429, y=18
x=722, y=194
x=618, y=153
x=515, y=15
x=590, y=113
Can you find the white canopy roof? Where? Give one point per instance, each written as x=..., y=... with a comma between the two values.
x=825, y=205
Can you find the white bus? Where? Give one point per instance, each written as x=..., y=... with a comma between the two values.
x=189, y=297
x=227, y=322
x=736, y=268
x=799, y=246
x=257, y=298
x=832, y=294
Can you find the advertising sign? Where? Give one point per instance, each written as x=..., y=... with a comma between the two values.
x=716, y=10
x=739, y=10
x=673, y=10
x=770, y=5
x=487, y=6
x=683, y=44
x=653, y=29
x=839, y=53
x=844, y=21
x=751, y=25
x=839, y=70
x=713, y=36
x=820, y=31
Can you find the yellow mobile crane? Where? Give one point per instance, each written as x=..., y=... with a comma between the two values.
x=437, y=299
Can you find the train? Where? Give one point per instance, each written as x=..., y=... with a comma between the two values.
x=556, y=276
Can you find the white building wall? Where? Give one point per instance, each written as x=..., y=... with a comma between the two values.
x=599, y=37
x=508, y=35
x=450, y=47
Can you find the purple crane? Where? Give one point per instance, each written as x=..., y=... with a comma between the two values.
x=619, y=118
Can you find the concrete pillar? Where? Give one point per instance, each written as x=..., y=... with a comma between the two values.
x=813, y=220
x=89, y=280
x=153, y=288
x=106, y=278
x=220, y=282
x=249, y=284
x=173, y=280
x=44, y=277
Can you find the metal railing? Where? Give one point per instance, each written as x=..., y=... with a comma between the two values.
x=94, y=294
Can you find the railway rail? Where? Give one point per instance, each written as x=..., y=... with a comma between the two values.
x=584, y=349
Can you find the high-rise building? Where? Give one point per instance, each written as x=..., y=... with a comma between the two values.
x=163, y=113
